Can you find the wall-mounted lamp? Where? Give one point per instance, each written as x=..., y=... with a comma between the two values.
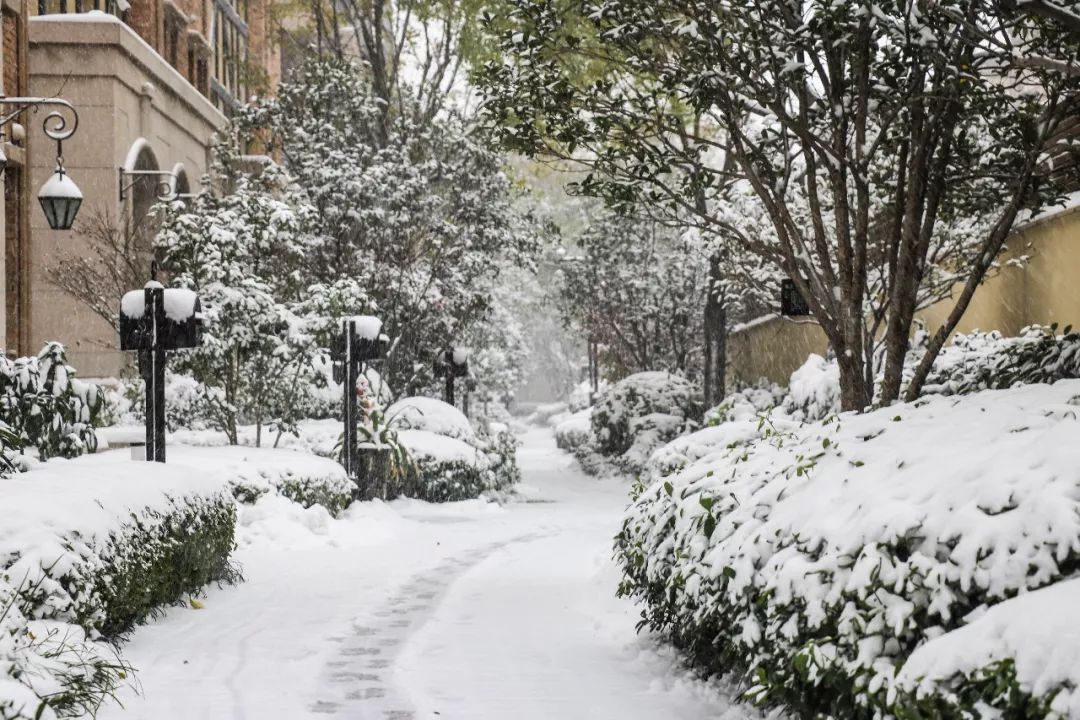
x=60, y=197
x=166, y=186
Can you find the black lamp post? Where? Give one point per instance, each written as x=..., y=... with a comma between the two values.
x=454, y=364
x=154, y=321
x=361, y=340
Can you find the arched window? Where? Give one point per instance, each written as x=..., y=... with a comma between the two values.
x=140, y=197
x=181, y=186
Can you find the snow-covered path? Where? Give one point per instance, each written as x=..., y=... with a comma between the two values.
x=466, y=611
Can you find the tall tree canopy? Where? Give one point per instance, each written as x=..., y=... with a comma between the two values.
x=878, y=152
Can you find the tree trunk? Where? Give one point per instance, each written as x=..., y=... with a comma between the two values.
x=854, y=393
x=715, y=359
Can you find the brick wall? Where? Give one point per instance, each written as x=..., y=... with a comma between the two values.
x=167, y=27
x=11, y=53
x=145, y=18
x=16, y=276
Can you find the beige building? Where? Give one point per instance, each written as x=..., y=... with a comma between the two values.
x=153, y=81
x=1043, y=290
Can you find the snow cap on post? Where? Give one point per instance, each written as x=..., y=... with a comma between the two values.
x=368, y=327
x=180, y=304
x=460, y=355
x=133, y=304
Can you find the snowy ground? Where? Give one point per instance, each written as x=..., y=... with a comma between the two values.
x=466, y=611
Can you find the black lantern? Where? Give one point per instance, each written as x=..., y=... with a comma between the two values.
x=60, y=198
x=792, y=303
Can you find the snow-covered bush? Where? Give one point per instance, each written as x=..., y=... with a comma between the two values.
x=186, y=404
x=50, y=669
x=447, y=468
x=453, y=462
x=1020, y=656
x=814, y=389
x=575, y=431
x=436, y=416
x=813, y=560
x=642, y=412
x=981, y=361
x=253, y=472
x=747, y=402
x=501, y=448
x=46, y=406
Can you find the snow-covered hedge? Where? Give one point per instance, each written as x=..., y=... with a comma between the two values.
x=1021, y=655
x=973, y=362
x=747, y=402
x=642, y=412
x=813, y=561
x=92, y=547
x=453, y=461
x=305, y=469
x=252, y=472
x=431, y=415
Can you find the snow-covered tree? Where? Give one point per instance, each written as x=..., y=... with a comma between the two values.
x=241, y=251
x=499, y=343
x=639, y=288
x=419, y=215
x=878, y=152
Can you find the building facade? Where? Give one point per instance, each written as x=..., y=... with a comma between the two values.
x=153, y=82
x=16, y=177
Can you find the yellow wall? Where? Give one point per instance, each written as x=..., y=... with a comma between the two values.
x=1046, y=289
x=772, y=349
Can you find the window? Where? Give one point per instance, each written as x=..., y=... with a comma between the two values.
x=230, y=38
x=55, y=7
x=172, y=42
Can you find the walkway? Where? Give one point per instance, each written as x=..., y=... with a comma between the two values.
x=467, y=611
